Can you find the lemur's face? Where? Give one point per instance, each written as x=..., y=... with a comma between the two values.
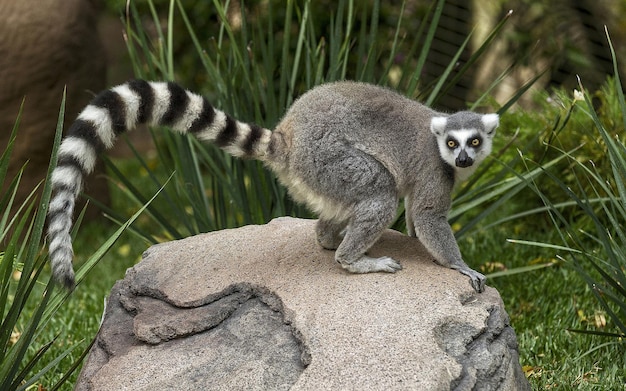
x=465, y=138
x=464, y=147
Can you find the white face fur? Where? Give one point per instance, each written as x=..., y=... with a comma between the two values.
x=464, y=141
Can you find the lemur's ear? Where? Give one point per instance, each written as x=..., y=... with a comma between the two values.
x=438, y=125
x=491, y=122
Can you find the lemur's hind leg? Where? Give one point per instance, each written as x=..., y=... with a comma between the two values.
x=329, y=233
x=370, y=219
x=357, y=189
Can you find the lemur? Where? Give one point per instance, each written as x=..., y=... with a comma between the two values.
x=347, y=150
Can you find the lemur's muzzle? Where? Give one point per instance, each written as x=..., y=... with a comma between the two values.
x=463, y=160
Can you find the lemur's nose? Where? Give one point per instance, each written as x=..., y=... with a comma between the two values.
x=463, y=160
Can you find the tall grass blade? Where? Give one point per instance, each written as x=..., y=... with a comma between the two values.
x=432, y=96
x=421, y=61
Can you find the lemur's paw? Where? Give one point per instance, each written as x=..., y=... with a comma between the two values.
x=372, y=265
x=477, y=280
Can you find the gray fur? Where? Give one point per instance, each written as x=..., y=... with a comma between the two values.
x=350, y=151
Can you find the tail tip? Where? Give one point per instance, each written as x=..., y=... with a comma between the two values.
x=66, y=279
x=61, y=256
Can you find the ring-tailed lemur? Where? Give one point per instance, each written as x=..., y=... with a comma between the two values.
x=347, y=150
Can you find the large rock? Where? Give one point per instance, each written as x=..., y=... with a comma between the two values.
x=264, y=308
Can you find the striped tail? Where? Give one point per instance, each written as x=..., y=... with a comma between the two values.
x=120, y=109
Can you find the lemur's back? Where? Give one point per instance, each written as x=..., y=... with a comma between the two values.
x=378, y=121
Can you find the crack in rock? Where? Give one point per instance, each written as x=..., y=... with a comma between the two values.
x=488, y=356
x=173, y=322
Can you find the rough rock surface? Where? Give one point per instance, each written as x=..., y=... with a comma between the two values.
x=265, y=308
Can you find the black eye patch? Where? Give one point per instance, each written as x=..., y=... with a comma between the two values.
x=475, y=141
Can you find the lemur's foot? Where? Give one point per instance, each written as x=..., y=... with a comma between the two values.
x=371, y=265
x=477, y=280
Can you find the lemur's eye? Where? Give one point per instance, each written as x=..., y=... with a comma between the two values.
x=475, y=142
x=451, y=143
